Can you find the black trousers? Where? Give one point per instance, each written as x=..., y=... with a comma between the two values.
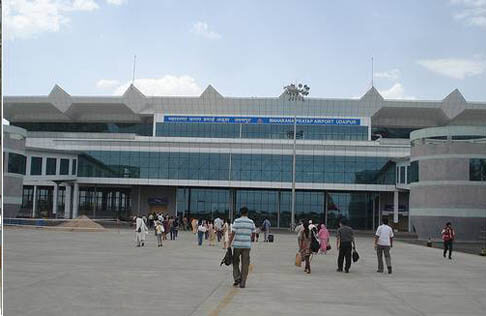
x=448, y=246
x=345, y=249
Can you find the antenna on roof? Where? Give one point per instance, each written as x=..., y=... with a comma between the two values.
x=134, y=63
x=372, y=73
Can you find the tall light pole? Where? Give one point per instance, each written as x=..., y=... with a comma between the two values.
x=295, y=93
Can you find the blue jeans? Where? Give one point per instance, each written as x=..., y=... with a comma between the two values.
x=200, y=236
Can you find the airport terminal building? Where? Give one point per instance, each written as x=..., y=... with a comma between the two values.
x=421, y=163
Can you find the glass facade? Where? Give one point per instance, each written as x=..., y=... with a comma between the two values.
x=203, y=203
x=51, y=165
x=64, y=167
x=142, y=129
x=356, y=207
x=276, y=205
x=477, y=169
x=36, y=166
x=244, y=167
x=16, y=163
x=261, y=204
x=99, y=202
x=263, y=131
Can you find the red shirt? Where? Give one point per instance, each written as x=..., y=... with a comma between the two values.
x=448, y=234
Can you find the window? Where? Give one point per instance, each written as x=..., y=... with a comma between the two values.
x=36, y=166
x=402, y=174
x=16, y=163
x=64, y=168
x=73, y=172
x=414, y=171
x=51, y=166
x=477, y=169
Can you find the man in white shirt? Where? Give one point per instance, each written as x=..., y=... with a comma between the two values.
x=218, y=224
x=383, y=243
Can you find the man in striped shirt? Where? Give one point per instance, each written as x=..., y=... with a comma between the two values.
x=240, y=238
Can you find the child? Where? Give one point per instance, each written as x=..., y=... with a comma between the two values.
x=159, y=229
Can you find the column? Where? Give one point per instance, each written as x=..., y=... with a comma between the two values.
x=76, y=200
x=67, y=202
x=395, y=209
x=34, y=201
x=55, y=194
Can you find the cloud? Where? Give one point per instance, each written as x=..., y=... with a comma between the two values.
x=397, y=91
x=472, y=12
x=107, y=84
x=116, y=2
x=202, y=29
x=393, y=74
x=164, y=86
x=28, y=18
x=455, y=68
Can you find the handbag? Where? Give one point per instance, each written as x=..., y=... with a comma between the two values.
x=355, y=255
x=328, y=247
x=298, y=259
x=139, y=230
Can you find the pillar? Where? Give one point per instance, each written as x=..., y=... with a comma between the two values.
x=34, y=201
x=54, y=199
x=395, y=209
x=76, y=200
x=67, y=202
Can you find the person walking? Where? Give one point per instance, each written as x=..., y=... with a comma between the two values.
x=158, y=232
x=212, y=233
x=323, y=238
x=171, y=228
x=151, y=220
x=241, y=240
x=140, y=231
x=226, y=233
x=194, y=224
x=305, y=246
x=345, y=244
x=218, y=226
x=165, y=223
x=201, y=231
x=383, y=244
x=266, y=229
x=176, y=227
x=448, y=236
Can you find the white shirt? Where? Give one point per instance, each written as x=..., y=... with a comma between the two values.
x=218, y=223
x=384, y=233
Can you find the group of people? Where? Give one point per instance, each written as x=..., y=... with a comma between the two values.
x=160, y=223
x=307, y=233
x=238, y=237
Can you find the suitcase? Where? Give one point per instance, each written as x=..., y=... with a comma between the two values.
x=270, y=238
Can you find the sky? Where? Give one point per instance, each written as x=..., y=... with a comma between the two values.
x=422, y=49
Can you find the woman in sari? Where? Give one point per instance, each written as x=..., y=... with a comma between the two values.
x=305, y=236
x=323, y=237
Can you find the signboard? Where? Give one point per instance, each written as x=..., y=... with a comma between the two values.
x=158, y=201
x=262, y=120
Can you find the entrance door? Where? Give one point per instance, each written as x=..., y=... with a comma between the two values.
x=159, y=209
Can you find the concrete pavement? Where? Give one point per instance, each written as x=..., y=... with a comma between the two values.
x=81, y=273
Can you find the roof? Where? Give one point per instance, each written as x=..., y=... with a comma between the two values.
x=134, y=106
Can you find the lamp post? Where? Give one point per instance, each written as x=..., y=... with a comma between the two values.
x=295, y=93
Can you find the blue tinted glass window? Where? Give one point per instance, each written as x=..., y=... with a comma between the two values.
x=36, y=166
x=16, y=163
x=64, y=167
